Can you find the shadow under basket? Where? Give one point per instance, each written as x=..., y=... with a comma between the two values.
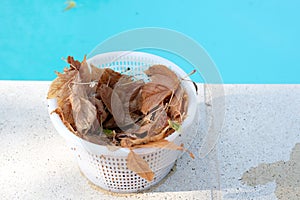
x=107, y=168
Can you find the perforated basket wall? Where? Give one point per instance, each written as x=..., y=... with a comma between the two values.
x=107, y=168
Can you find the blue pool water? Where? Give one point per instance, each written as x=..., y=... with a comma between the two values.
x=254, y=41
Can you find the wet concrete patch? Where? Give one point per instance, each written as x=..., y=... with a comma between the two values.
x=286, y=175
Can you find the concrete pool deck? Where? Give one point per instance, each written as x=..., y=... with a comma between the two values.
x=257, y=155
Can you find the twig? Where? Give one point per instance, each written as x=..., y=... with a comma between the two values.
x=189, y=74
x=92, y=83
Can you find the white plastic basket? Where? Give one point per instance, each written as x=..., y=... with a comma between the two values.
x=108, y=169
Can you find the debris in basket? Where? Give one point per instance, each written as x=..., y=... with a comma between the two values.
x=107, y=107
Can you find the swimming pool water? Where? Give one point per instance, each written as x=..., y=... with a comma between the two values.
x=254, y=41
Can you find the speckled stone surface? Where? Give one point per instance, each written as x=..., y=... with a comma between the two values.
x=256, y=157
x=261, y=128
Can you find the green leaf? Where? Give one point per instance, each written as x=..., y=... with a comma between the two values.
x=108, y=132
x=174, y=125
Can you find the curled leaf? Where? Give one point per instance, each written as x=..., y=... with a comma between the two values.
x=61, y=90
x=60, y=113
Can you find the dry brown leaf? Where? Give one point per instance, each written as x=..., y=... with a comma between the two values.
x=154, y=126
x=68, y=114
x=135, y=103
x=163, y=144
x=152, y=95
x=160, y=74
x=75, y=64
x=60, y=89
x=97, y=139
x=101, y=113
x=84, y=111
x=159, y=123
x=120, y=99
x=129, y=142
x=85, y=73
x=142, y=129
x=89, y=72
x=109, y=77
x=89, y=76
x=163, y=83
x=96, y=72
x=60, y=85
x=138, y=165
x=59, y=111
x=105, y=92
